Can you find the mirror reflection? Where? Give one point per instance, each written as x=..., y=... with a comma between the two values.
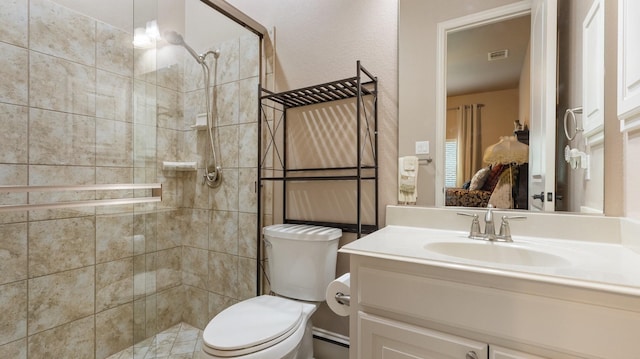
x=484, y=162
x=580, y=136
x=488, y=92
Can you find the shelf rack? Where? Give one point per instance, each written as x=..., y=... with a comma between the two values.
x=273, y=145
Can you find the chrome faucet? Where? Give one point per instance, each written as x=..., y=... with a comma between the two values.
x=489, y=233
x=489, y=227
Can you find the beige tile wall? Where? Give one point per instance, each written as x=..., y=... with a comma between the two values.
x=80, y=105
x=68, y=284
x=219, y=268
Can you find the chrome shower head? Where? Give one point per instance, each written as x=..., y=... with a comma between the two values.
x=175, y=38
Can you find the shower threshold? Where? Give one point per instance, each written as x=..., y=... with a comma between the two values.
x=182, y=341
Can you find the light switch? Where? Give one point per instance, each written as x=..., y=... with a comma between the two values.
x=422, y=147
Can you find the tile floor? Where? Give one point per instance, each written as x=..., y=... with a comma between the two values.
x=181, y=341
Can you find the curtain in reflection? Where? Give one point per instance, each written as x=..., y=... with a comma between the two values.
x=469, y=147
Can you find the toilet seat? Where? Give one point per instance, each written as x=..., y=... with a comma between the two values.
x=252, y=325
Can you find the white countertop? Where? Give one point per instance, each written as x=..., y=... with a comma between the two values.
x=603, y=266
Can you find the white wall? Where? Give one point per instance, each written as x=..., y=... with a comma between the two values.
x=615, y=193
x=632, y=187
x=207, y=26
x=581, y=193
x=320, y=41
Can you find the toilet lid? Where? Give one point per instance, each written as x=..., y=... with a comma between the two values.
x=253, y=322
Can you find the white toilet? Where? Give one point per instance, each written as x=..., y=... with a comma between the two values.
x=302, y=263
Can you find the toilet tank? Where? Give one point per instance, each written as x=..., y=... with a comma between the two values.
x=302, y=259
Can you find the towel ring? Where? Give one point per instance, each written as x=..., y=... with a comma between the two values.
x=573, y=112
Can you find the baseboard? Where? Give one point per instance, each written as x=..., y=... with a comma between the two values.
x=329, y=345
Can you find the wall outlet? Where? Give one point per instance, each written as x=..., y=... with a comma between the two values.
x=422, y=147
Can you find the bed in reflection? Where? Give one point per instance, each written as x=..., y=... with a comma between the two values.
x=502, y=184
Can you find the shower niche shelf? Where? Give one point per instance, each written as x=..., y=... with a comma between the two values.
x=201, y=122
x=318, y=149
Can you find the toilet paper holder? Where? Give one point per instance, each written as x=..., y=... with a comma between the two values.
x=343, y=299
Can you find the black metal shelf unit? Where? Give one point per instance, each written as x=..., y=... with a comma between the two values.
x=272, y=144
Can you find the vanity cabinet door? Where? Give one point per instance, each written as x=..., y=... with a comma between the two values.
x=496, y=352
x=382, y=338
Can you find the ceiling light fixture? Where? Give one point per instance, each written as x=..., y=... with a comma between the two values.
x=144, y=37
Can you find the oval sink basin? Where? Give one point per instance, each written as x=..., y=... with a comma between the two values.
x=492, y=252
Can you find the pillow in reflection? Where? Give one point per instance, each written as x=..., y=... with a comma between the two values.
x=494, y=176
x=479, y=178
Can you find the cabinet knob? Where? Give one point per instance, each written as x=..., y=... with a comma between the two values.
x=471, y=355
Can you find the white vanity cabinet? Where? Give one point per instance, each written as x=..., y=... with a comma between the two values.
x=406, y=308
x=496, y=352
x=382, y=338
x=385, y=338
x=420, y=283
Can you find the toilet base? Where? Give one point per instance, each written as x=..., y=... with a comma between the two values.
x=305, y=349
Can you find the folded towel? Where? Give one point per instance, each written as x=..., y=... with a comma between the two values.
x=410, y=163
x=407, y=179
x=407, y=183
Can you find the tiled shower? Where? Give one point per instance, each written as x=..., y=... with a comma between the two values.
x=80, y=105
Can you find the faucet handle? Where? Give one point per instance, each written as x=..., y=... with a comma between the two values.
x=467, y=214
x=505, y=230
x=507, y=218
x=474, y=232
